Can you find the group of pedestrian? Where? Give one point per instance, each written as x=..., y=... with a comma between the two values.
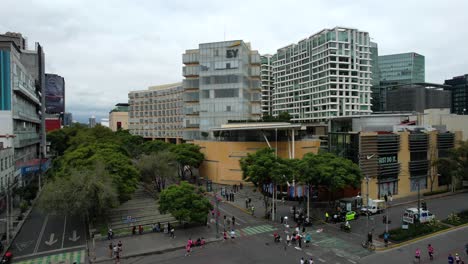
x=232, y=234
x=115, y=251
x=229, y=222
x=140, y=230
x=430, y=251
x=236, y=187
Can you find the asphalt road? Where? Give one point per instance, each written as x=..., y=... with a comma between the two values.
x=451, y=242
x=255, y=245
x=46, y=234
x=441, y=207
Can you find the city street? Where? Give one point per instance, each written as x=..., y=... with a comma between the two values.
x=45, y=235
x=441, y=207
x=451, y=242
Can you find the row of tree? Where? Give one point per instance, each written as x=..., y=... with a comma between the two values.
x=96, y=169
x=454, y=167
x=327, y=170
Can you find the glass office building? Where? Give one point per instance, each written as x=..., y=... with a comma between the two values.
x=376, y=91
x=325, y=76
x=459, y=88
x=222, y=83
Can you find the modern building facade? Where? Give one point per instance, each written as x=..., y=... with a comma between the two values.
x=267, y=83
x=118, y=117
x=459, y=89
x=395, y=153
x=22, y=106
x=157, y=113
x=325, y=76
x=399, y=69
x=222, y=83
x=418, y=97
x=376, y=91
x=67, y=119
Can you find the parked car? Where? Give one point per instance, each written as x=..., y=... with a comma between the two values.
x=411, y=215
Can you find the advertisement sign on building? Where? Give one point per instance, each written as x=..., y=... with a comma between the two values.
x=55, y=94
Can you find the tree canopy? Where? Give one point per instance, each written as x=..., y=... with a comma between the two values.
x=185, y=203
x=157, y=169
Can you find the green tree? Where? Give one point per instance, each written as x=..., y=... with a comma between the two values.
x=329, y=171
x=264, y=168
x=454, y=168
x=87, y=191
x=154, y=146
x=185, y=203
x=188, y=156
x=157, y=169
x=131, y=143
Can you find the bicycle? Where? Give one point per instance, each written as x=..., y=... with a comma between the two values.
x=367, y=245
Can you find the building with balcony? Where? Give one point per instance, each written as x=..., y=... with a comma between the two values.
x=324, y=76
x=267, y=83
x=396, y=152
x=118, y=117
x=156, y=113
x=22, y=103
x=221, y=83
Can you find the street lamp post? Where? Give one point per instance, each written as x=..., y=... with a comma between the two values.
x=217, y=212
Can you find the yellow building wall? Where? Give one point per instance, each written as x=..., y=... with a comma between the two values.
x=115, y=117
x=221, y=163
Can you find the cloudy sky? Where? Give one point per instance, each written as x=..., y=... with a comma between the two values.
x=105, y=48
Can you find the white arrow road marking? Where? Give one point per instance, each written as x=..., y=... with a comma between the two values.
x=51, y=240
x=74, y=238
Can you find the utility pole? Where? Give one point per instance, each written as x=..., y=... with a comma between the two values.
x=217, y=213
x=367, y=203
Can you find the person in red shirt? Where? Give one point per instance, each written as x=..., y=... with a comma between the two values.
x=430, y=251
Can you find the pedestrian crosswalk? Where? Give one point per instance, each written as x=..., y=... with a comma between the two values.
x=65, y=258
x=254, y=230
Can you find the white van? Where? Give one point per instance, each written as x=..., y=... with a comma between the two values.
x=411, y=215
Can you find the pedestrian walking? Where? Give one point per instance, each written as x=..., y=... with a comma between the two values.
x=450, y=258
x=246, y=202
x=172, y=233
x=417, y=255
x=119, y=247
x=111, y=247
x=457, y=258
x=225, y=235
x=140, y=230
x=187, y=250
x=233, y=234
x=110, y=234
x=233, y=221
x=385, y=238
x=116, y=251
x=311, y=261
x=308, y=238
x=299, y=240
x=302, y=261
x=430, y=251
x=288, y=240
x=303, y=229
x=253, y=211
x=240, y=185
x=117, y=260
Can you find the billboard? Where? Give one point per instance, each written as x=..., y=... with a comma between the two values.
x=54, y=94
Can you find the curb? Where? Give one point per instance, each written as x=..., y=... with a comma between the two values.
x=432, y=197
x=153, y=252
x=404, y=243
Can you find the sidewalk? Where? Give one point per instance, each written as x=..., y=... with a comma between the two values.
x=150, y=243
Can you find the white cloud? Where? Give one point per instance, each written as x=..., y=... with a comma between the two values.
x=106, y=48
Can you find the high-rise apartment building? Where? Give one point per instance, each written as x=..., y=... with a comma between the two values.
x=324, y=76
x=67, y=119
x=267, y=83
x=92, y=122
x=222, y=83
x=157, y=113
x=21, y=109
x=459, y=88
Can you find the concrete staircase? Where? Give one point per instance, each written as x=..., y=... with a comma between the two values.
x=142, y=209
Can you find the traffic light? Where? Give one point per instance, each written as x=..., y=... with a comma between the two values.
x=424, y=206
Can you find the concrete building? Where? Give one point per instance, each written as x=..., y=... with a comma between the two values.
x=418, y=97
x=157, y=113
x=234, y=141
x=325, y=76
x=267, y=84
x=443, y=120
x=222, y=83
x=67, y=119
x=92, y=122
x=118, y=117
x=459, y=89
x=399, y=69
x=22, y=107
x=395, y=151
